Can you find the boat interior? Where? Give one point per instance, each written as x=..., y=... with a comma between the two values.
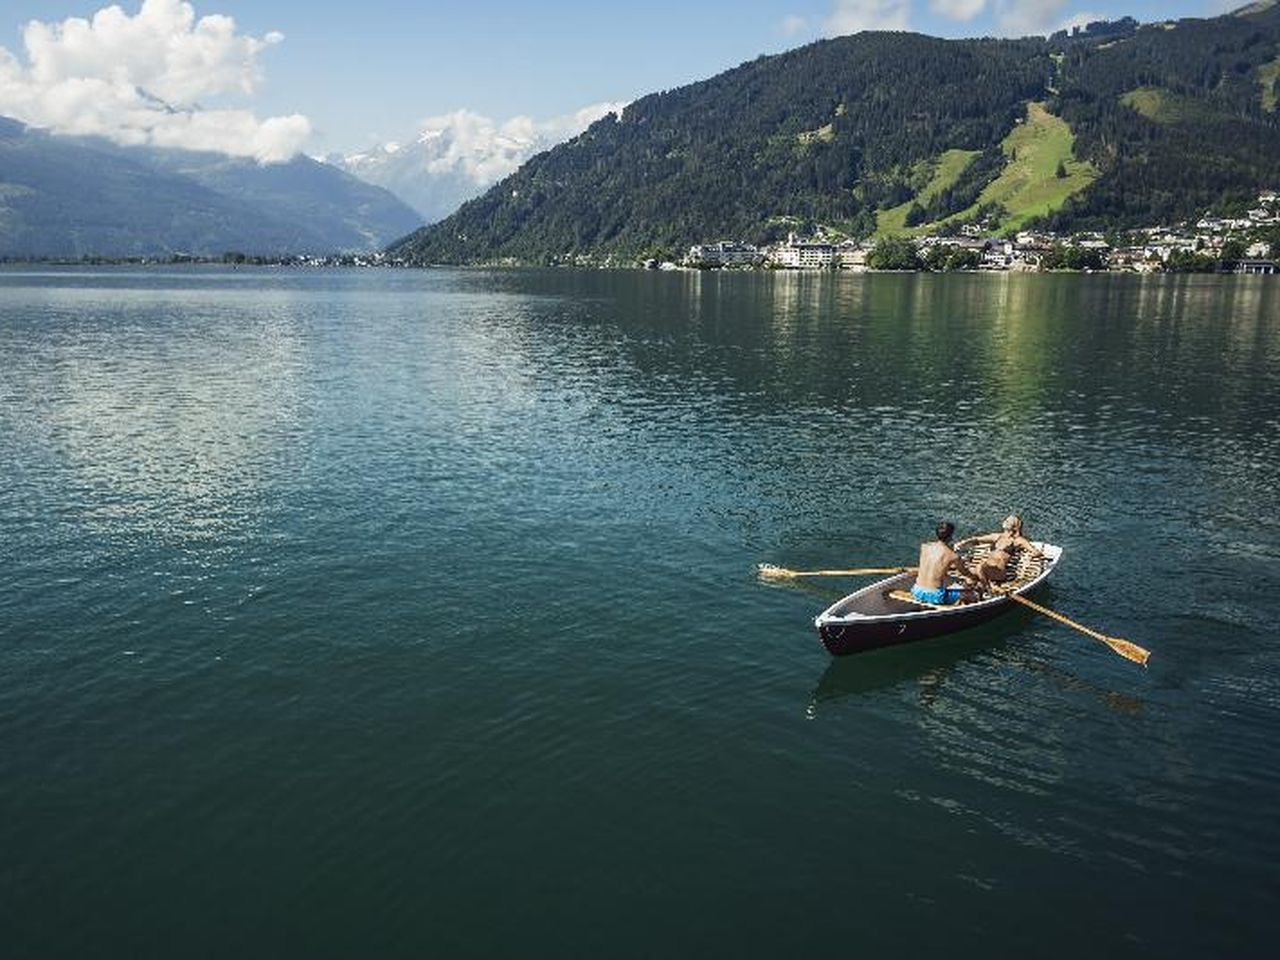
x=875, y=600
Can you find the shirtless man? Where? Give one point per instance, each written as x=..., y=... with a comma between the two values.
x=938, y=560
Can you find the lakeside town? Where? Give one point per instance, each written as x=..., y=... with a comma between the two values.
x=1210, y=245
x=1247, y=244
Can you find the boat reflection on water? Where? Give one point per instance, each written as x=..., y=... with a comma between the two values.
x=928, y=664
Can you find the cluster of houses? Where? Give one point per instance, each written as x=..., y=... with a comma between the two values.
x=1145, y=251
x=795, y=253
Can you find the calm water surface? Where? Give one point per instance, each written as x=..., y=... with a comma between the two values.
x=411, y=614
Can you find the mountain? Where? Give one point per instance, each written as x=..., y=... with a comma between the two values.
x=67, y=196
x=421, y=174
x=330, y=210
x=457, y=156
x=1117, y=124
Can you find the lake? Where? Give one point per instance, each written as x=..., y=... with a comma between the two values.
x=412, y=613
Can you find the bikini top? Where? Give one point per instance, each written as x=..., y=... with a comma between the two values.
x=1004, y=545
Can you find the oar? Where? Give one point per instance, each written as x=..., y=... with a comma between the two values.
x=768, y=571
x=1130, y=651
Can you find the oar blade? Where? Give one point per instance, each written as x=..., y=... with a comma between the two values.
x=1130, y=651
x=767, y=571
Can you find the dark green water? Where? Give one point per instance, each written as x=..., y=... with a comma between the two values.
x=372, y=614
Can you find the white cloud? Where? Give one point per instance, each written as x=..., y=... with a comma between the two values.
x=486, y=150
x=1021, y=18
x=850, y=16
x=963, y=10
x=138, y=79
x=794, y=24
x=1080, y=20
x=1017, y=18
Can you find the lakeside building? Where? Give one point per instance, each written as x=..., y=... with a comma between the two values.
x=1139, y=258
x=800, y=254
x=950, y=244
x=724, y=253
x=851, y=255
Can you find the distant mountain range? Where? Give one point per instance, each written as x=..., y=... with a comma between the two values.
x=75, y=197
x=1115, y=125
x=457, y=156
x=420, y=173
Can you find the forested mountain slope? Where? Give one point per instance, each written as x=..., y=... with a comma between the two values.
x=1176, y=117
x=1162, y=121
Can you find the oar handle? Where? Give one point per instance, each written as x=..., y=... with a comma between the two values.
x=859, y=572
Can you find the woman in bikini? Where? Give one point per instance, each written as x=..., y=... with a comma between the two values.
x=994, y=567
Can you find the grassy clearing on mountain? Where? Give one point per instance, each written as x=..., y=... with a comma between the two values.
x=1148, y=101
x=823, y=134
x=946, y=170
x=1269, y=78
x=1163, y=106
x=1029, y=186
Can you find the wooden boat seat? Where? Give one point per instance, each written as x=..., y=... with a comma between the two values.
x=1023, y=567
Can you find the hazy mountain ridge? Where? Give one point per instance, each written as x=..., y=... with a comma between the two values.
x=70, y=197
x=836, y=131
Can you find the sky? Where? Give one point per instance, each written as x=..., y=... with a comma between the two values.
x=268, y=78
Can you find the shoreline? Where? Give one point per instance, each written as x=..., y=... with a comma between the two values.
x=350, y=262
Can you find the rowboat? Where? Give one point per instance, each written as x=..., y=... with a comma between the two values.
x=882, y=614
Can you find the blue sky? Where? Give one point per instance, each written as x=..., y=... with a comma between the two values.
x=360, y=73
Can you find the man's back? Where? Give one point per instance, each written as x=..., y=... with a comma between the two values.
x=935, y=558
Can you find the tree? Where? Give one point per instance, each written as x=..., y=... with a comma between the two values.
x=894, y=253
x=941, y=258
x=962, y=259
x=935, y=258
x=1232, y=250
x=1067, y=257
x=1061, y=172
x=1182, y=261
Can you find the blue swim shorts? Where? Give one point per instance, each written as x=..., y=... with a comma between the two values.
x=942, y=595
